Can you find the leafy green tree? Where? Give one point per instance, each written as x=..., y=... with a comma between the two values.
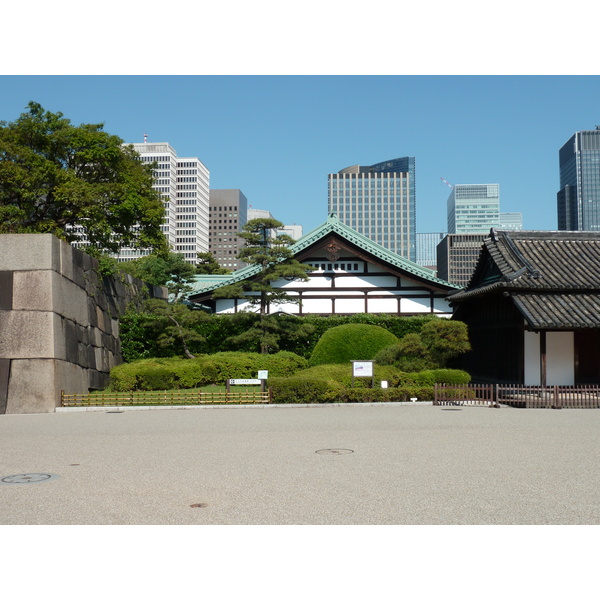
x=270, y=331
x=445, y=339
x=207, y=265
x=438, y=341
x=68, y=180
x=276, y=261
x=170, y=270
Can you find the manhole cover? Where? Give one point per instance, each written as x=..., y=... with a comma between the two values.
x=22, y=478
x=334, y=451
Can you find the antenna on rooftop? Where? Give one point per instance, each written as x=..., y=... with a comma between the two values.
x=448, y=184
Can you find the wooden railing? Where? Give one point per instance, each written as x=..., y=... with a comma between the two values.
x=521, y=396
x=460, y=394
x=166, y=398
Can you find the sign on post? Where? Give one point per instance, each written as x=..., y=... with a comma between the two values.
x=363, y=368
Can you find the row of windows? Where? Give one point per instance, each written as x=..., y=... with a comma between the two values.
x=336, y=266
x=223, y=208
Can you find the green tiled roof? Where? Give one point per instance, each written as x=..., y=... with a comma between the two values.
x=207, y=283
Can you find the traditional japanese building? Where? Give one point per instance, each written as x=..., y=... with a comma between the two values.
x=533, y=309
x=352, y=274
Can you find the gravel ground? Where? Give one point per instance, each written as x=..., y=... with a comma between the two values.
x=391, y=465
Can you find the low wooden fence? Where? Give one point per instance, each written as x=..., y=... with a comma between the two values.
x=167, y=398
x=520, y=396
x=460, y=394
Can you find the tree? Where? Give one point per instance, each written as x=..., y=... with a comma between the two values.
x=170, y=270
x=207, y=265
x=276, y=261
x=445, y=339
x=71, y=180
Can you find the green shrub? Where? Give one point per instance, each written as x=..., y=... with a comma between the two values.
x=182, y=373
x=304, y=390
x=342, y=344
x=453, y=376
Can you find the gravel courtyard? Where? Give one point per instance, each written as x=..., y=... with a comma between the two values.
x=322, y=465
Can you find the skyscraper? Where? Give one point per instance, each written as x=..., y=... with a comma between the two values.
x=473, y=208
x=184, y=186
x=578, y=200
x=228, y=214
x=379, y=202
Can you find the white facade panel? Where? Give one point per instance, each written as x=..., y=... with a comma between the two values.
x=440, y=305
x=560, y=358
x=314, y=282
x=415, y=305
x=382, y=305
x=376, y=281
x=532, y=358
x=314, y=305
x=349, y=305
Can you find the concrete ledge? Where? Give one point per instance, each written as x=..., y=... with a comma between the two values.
x=185, y=407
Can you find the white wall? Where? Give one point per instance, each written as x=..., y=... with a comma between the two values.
x=560, y=358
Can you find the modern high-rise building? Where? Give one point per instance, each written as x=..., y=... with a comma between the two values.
x=457, y=256
x=379, y=202
x=510, y=222
x=427, y=249
x=578, y=200
x=228, y=214
x=473, y=208
x=184, y=186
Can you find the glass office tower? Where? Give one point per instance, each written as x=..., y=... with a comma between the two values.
x=473, y=208
x=578, y=200
x=379, y=202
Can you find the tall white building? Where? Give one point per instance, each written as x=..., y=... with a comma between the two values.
x=473, y=208
x=184, y=186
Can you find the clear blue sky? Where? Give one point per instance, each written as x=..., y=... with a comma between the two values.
x=277, y=137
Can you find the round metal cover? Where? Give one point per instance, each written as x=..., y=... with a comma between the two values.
x=334, y=451
x=22, y=478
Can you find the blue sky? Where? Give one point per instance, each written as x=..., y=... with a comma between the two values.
x=277, y=137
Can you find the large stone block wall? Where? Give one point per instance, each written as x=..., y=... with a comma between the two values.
x=59, y=321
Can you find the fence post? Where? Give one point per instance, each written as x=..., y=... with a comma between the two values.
x=557, y=399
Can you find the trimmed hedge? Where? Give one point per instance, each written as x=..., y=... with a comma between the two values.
x=180, y=373
x=355, y=341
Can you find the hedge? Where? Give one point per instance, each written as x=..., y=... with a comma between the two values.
x=354, y=341
x=137, y=333
x=180, y=373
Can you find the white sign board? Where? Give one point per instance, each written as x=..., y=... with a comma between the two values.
x=244, y=382
x=263, y=374
x=362, y=368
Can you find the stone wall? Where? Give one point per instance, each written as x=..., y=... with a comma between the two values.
x=59, y=321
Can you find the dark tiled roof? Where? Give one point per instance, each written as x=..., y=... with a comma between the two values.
x=559, y=311
x=553, y=277
x=538, y=260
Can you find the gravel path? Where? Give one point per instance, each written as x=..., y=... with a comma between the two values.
x=390, y=465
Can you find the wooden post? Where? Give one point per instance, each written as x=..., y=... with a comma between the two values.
x=543, y=358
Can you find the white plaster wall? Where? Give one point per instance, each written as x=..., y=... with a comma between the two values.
x=532, y=358
x=383, y=305
x=349, y=305
x=313, y=282
x=410, y=305
x=560, y=358
x=314, y=305
x=371, y=281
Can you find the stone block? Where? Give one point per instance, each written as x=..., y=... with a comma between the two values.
x=31, y=334
x=4, y=376
x=29, y=252
x=35, y=385
x=6, y=290
x=49, y=291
